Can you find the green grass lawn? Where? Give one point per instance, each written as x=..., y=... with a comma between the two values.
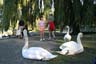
x=87, y=57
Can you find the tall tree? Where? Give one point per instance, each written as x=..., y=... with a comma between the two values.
x=94, y=15
x=68, y=13
x=59, y=12
x=77, y=16
x=63, y=13
x=88, y=12
x=9, y=11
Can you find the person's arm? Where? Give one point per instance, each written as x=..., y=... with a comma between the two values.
x=38, y=24
x=48, y=25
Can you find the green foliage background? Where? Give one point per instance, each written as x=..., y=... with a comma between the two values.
x=67, y=12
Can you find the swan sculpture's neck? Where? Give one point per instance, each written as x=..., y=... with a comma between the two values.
x=79, y=40
x=25, y=39
x=68, y=29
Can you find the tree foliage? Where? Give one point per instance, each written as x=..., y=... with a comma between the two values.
x=67, y=12
x=9, y=12
x=88, y=12
x=73, y=13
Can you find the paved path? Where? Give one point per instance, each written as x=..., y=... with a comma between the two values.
x=10, y=50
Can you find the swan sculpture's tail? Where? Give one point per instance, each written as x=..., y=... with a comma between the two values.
x=46, y=54
x=50, y=57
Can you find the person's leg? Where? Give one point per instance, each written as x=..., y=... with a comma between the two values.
x=22, y=27
x=40, y=35
x=43, y=35
x=49, y=34
x=21, y=36
x=53, y=34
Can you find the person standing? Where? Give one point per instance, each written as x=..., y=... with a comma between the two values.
x=21, y=27
x=51, y=26
x=41, y=26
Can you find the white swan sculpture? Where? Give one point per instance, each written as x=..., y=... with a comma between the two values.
x=0, y=36
x=37, y=53
x=71, y=47
x=67, y=37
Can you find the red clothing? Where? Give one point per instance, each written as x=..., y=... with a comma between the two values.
x=51, y=26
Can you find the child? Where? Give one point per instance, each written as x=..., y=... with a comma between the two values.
x=51, y=26
x=41, y=28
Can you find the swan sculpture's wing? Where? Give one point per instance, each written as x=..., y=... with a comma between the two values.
x=47, y=55
x=31, y=53
x=80, y=49
x=69, y=47
x=38, y=53
x=68, y=44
